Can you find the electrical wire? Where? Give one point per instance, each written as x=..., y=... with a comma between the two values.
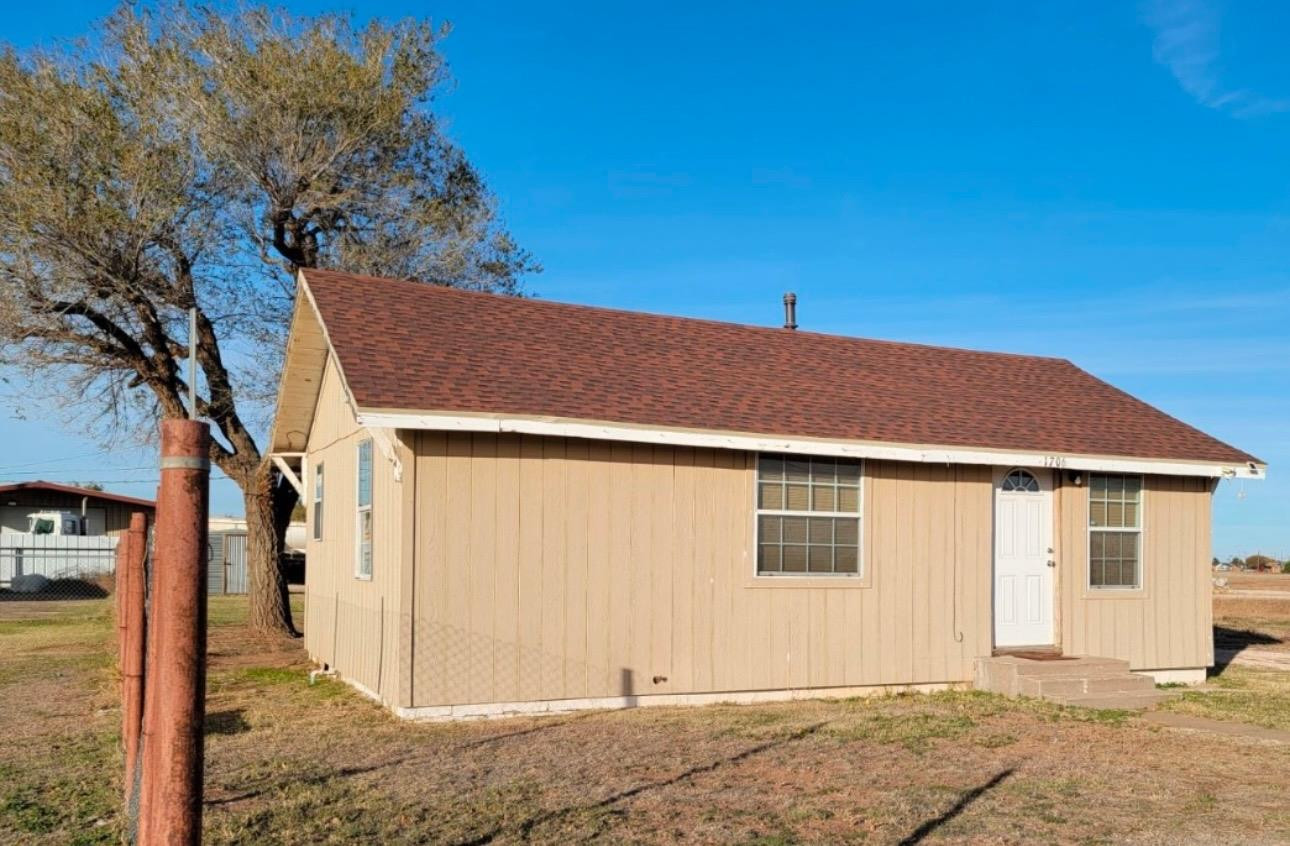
x=10, y=467
x=136, y=481
x=6, y=474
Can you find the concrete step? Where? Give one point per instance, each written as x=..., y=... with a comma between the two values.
x=1048, y=687
x=1069, y=666
x=1083, y=681
x=1126, y=701
x=1005, y=673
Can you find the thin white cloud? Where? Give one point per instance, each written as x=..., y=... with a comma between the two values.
x=1187, y=39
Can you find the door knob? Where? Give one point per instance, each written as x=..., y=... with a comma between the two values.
x=1052, y=563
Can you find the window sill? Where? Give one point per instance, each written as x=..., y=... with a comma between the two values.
x=811, y=582
x=358, y=577
x=1114, y=593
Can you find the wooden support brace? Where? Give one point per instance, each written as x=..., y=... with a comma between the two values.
x=280, y=461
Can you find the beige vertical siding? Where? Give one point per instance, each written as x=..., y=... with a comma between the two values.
x=548, y=568
x=1168, y=624
x=352, y=624
x=511, y=568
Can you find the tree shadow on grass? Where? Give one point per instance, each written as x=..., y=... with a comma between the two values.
x=525, y=828
x=232, y=721
x=918, y=834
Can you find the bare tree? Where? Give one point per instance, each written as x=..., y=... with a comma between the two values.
x=195, y=158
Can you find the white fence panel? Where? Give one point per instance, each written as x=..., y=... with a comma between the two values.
x=55, y=556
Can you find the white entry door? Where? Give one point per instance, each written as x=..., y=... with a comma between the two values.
x=1023, y=556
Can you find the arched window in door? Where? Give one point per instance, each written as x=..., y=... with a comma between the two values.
x=1020, y=481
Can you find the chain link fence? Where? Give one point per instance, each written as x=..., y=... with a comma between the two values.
x=36, y=567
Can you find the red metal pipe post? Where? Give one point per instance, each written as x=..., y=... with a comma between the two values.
x=122, y=557
x=132, y=603
x=171, y=793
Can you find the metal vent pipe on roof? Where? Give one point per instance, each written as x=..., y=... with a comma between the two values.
x=790, y=310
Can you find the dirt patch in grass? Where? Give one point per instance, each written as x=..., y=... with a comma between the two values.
x=292, y=763
x=230, y=645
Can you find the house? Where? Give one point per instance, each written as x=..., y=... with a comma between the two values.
x=519, y=506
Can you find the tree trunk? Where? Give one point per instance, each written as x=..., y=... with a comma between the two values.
x=270, y=606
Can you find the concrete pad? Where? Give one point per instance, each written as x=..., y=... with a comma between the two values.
x=1244, y=731
x=1125, y=701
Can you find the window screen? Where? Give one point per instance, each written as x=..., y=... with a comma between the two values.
x=1115, y=531
x=808, y=516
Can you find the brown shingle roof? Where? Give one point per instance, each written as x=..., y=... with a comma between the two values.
x=409, y=346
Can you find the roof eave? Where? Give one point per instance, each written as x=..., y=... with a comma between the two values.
x=76, y=490
x=762, y=442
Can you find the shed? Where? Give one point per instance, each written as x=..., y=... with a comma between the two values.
x=226, y=565
x=226, y=561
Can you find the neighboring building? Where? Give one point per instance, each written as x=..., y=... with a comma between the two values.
x=105, y=513
x=61, y=532
x=226, y=556
x=226, y=571
x=518, y=505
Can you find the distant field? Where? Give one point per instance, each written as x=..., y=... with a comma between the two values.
x=1253, y=611
x=1256, y=581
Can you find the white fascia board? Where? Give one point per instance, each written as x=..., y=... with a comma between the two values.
x=553, y=427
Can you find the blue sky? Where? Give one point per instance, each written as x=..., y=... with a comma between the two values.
x=1104, y=182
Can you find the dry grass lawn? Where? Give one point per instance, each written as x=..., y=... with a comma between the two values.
x=290, y=763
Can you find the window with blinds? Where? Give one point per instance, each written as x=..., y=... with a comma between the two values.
x=1114, y=532
x=808, y=516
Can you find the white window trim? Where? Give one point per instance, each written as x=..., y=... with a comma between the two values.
x=858, y=578
x=317, y=526
x=359, y=510
x=1140, y=531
